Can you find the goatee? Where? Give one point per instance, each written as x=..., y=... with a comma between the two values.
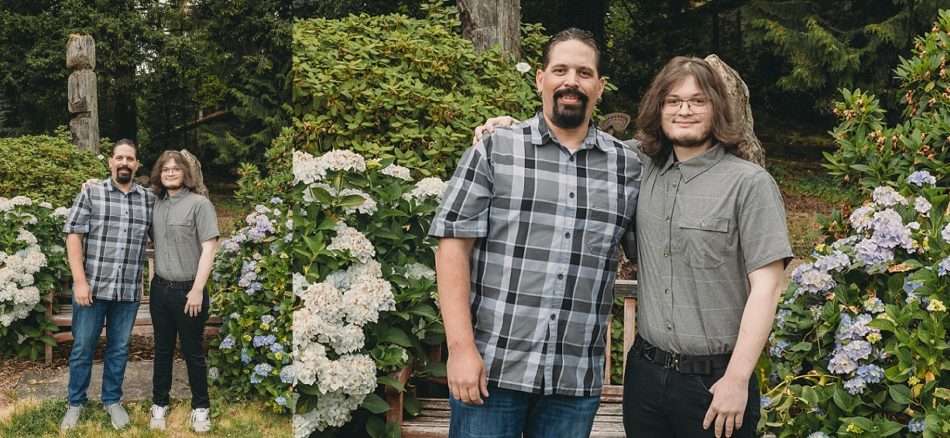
x=569, y=118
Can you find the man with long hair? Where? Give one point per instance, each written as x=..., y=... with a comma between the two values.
x=105, y=245
x=528, y=230
x=712, y=244
x=185, y=233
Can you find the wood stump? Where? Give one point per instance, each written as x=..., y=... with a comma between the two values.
x=749, y=148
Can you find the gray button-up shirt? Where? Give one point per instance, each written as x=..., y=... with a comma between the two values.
x=702, y=226
x=182, y=222
x=115, y=226
x=548, y=222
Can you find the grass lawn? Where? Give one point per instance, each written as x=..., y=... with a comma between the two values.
x=240, y=420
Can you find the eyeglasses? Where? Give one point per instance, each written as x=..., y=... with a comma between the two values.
x=695, y=104
x=171, y=170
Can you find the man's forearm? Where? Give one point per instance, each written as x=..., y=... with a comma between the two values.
x=756, y=320
x=74, y=255
x=205, y=263
x=454, y=283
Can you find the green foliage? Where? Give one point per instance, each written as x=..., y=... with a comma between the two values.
x=822, y=47
x=32, y=264
x=872, y=153
x=402, y=88
x=46, y=168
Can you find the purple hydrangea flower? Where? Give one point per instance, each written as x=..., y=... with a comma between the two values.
x=871, y=254
x=921, y=177
x=836, y=261
x=922, y=205
x=887, y=197
x=263, y=341
x=227, y=343
x=855, y=385
x=840, y=363
x=889, y=230
x=871, y=373
x=944, y=267
x=812, y=280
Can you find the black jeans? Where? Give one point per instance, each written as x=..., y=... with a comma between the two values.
x=662, y=402
x=169, y=320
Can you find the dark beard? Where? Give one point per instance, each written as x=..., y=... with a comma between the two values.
x=123, y=179
x=569, y=118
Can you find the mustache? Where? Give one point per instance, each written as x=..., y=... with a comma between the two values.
x=571, y=92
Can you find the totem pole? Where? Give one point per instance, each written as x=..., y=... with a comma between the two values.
x=83, y=95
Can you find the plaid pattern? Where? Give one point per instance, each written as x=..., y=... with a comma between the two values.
x=548, y=223
x=116, y=226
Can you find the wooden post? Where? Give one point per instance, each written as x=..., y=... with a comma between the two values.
x=82, y=92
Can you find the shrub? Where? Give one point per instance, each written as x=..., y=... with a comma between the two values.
x=860, y=343
x=873, y=154
x=32, y=264
x=362, y=272
x=46, y=168
x=401, y=88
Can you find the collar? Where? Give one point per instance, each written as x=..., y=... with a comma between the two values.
x=184, y=191
x=136, y=188
x=697, y=165
x=541, y=134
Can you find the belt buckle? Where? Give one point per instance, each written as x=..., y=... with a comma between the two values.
x=672, y=362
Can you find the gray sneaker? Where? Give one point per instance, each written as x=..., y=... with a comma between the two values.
x=201, y=420
x=158, y=417
x=71, y=418
x=119, y=417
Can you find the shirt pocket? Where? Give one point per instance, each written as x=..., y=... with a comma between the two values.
x=182, y=231
x=706, y=241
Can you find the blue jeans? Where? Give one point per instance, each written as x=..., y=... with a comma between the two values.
x=509, y=414
x=87, y=325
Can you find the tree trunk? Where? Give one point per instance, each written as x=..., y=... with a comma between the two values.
x=488, y=23
x=83, y=95
x=749, y=148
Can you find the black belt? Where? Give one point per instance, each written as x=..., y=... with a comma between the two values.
x=680, y=362
x=173, y=284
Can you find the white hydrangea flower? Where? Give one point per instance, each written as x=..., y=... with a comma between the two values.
x=61, y=212
x=523, y=67
x=431, y=187
x=351, y=240
x=887, y=197
x=397, y=172
x=368, y=207
x=418, y=271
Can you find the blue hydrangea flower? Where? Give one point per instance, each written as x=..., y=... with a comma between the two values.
x=779, y=348
x=871, y=373
x=944, y=267
x=921, y=177
x=281, y=400
x=255, y=379
x=267, y=319
x=887, y=197
x=245, y=357
x=855, y=386
x=227, y=343
x=857, y=350
x=889, y=230
x=834, y=262
x=812, y=280
x=922, y=205
x=287, y=374
x=871, y=254
x=945, y=233
x=276, y=201
x=916, y=425
x=263, y=369
x=276, y=348
x=840, y=363
x=765, y=402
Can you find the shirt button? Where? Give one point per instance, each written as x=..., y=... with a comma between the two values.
x=553, y=317
x=669, y=326
x=571, y=158
x=570, y=195
x=666, y=254
x=668, y=218
x=560, y=276
x=567, y=235
x=666, y=291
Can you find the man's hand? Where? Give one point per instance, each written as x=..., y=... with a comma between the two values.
x=491, y=124
x=81, y=293
x=90, y=182
x=193, y=305
x=730, y=395
x=466, y=376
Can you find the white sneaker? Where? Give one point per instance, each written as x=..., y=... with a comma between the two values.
x=158, y=417
x=71, y=418
x=201, y=420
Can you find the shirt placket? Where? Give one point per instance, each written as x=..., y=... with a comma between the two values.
x=565, y=226
x=671, y=183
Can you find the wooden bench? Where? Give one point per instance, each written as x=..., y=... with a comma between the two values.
x=59, y=309
x=433, y=420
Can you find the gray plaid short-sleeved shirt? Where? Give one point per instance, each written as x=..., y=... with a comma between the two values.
x=702, y=226
x=116, y=226
x=548, y=224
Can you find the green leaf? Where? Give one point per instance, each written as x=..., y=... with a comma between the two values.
x=376, y=427
x=375, y=404
x=391, y=382
x=942, y=393
x=888, y=427
x=810, y=396
x=899, y=393
x=394, y=335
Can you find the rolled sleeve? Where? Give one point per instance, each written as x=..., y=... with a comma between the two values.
x=763, y=232
x=206, y=220
x=77, y=222
x=465, y=206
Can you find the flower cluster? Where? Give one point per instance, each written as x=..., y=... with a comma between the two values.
x=853, y=355
x=427, y=188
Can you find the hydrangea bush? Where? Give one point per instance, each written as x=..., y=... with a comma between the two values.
x=32, y=264
x=366, y=292
x=860, y=343
x=251, y=290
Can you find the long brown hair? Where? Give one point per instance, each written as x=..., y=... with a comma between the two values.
x=650, y=117
x=188, y=179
